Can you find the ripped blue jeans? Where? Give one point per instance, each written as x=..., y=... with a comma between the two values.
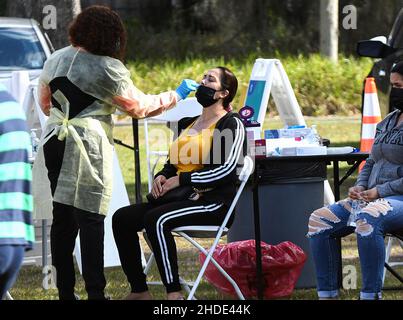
x=373, y=221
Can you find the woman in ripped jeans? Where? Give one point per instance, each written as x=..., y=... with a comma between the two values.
x=374, y=208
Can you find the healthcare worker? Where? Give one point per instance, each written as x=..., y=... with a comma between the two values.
x=79, y=89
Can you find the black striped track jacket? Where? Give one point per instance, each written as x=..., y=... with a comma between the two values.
x=220, y=174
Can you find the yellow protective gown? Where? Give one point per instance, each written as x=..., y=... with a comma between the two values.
x=85, y=179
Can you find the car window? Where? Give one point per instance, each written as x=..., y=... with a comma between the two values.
x=20, y=49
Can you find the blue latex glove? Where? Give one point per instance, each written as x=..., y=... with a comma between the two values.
x=186, y=87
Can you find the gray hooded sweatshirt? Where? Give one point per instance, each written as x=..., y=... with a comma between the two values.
x=384, y=167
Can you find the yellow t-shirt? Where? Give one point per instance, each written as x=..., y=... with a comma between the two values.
x=188, y=152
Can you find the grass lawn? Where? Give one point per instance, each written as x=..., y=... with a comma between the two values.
x=341, y=131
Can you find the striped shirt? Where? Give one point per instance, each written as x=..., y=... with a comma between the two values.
x=16, y=201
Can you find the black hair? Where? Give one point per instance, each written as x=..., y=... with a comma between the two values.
x=228, y=82
x=398, y=68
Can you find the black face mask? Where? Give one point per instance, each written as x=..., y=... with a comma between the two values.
x=205, y=96
x=396, y=99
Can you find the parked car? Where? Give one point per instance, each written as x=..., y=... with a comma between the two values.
x=23, y=46
x=387, y=51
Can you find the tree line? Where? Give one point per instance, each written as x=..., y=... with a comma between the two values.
x=176, y=29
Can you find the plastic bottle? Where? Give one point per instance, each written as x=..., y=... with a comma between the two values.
x=35, y=142
x=313, y=137
x=316, y=134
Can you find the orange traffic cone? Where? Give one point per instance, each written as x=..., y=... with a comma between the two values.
x=371, y=116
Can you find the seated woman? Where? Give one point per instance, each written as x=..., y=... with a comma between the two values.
x=375, y=206
x=204, y=156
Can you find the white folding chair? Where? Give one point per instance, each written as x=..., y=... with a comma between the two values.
x=398, y=236
x=184, y=108
x=8, y=296
x=211, y=232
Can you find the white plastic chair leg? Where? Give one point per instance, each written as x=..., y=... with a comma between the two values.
x=387, y=256
x=155, y=165
x=8, y=296
x=148, y=155
x=202, y=271
x=186, y=285
x=149, y=264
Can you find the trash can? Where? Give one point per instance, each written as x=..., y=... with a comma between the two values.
x=289, y=191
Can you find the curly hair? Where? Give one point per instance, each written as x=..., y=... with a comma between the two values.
x=100, y=31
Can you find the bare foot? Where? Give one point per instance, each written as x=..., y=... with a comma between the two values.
x=139, y=296
x=175, y=296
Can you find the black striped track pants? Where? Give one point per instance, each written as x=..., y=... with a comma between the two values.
x=158, y=221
